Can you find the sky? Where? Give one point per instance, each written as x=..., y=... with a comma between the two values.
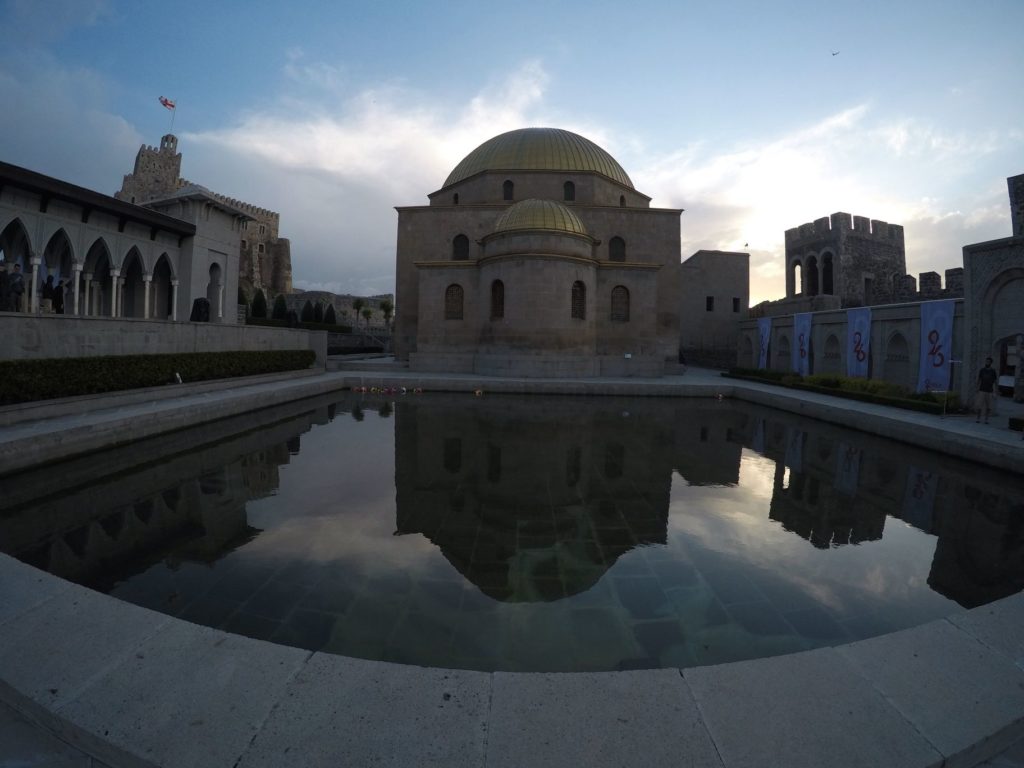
x=754, y=117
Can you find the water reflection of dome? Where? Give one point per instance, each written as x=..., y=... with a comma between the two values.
x=471, y=480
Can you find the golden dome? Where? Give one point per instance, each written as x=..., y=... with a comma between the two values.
x=539, y=149
x=540, y=214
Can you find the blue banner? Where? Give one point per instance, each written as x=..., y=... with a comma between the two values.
x=764, y=336
x=936, y=345
x=801, y=349
x=858, y=341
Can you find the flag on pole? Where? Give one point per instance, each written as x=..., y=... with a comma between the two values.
x=167, y=102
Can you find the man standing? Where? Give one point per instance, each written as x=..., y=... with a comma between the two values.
x=4, y=291
x=986, y=390
x=16, y=286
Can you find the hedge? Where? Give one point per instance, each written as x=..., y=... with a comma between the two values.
x=862, y=390
x=23, y=381
x=275, y=323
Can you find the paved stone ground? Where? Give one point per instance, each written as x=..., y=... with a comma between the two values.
x=23, y=744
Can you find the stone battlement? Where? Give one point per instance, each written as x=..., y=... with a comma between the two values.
x=840, y=224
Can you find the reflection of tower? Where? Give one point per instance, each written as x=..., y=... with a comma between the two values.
x=531, y=501
x=980, y=553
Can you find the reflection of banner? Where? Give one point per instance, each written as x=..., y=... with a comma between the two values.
x=757, y=442
x=801, y=349
x=795, y=450
x=858, y=341
x=919, y=498
x=764, y=335
x=936, y=345
x=847, y=469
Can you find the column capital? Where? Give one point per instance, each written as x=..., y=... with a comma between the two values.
x=35, y=261
x=87, y=275
x=77, y=267
x=115, y=273
x=174, y=283
x=147, y=278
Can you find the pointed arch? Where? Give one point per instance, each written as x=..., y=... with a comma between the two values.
x=616, y=249
x=58, y=256
x=162, y=307
x=94, y=293
x=15, y=243
x=132, y=301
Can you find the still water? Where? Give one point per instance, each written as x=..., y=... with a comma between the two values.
x=528, y=533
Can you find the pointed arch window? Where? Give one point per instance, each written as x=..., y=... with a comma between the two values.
x=617, y=249
x=622, y=201
x=569, y=191
x=453, y=296
x=579, y=301
x=455, y=199
x=460, y=248
x=620, y=304
x=497, y=300
x=508, y=190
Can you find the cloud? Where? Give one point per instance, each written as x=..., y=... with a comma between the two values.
x=32, y=21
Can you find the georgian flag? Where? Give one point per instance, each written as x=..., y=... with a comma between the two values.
x=167, y=102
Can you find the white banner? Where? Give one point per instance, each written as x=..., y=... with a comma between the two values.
x=936, y=345
x=801, y=349
x=858, y=341
x=764, y=335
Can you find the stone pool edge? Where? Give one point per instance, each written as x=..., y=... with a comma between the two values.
x=133, y=687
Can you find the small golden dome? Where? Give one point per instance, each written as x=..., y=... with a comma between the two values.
x=540, y=214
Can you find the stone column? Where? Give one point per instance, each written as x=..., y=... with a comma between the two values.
x=78, y=276
x=33, y=289
x=1018, y=378
x=220, y=301
x=147, y=282
x=174, y=300
x=88, y=284
x=115, y=275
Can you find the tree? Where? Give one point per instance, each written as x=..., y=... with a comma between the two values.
x=367, y=314
x=318, y=313
x=280, y=308
x=259, y=304
x=329, y=317
x=387, y=309
x=307, y=313
x=358, y=305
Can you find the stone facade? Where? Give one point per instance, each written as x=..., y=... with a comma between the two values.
x=715, y=295
x=577, y=233
x=344, y=307
x=859, y=260
x=116, y=259
x=264, y=257
x=994, y=281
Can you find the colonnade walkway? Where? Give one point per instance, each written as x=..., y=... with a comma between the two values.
x=88, y=680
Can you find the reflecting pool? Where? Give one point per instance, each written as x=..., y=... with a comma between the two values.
x=528, y=533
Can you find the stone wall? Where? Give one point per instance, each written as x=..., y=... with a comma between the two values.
x=894, y=351
x=715, y=287
x=42, y=336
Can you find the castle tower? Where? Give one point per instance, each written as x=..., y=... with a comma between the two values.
x=860, y=260
x=157, y=173
x=1016, y=185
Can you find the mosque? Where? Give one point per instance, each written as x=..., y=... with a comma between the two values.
x=538, y=257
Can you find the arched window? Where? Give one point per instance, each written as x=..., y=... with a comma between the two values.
x=460, y=248
x=826, y=274
x=622, y=201
x=811, y=287
x=569, y=191
x=620, y=304
x=507, y=190
x=617, y=249
x=453, y=302
x=497, y=300
x=455, y=199
x=579, y=301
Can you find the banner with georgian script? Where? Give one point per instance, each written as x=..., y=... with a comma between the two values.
x=764, y=336
x=801, y=349
x=858, y=341
x=936, y=345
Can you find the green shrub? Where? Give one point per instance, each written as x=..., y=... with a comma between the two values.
x=23, y=381
x=259, y=304
x=280, y=311
x=307, y=313
x=330, y=318
x=318, y=313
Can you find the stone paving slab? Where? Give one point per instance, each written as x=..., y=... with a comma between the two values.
x=643, y=718
x=40, y=663
x=23, y=744
x=999, y=625
x=23, y=588
x=808, y=709
x=190, y=696
x=343, y=711
x=965, y=698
